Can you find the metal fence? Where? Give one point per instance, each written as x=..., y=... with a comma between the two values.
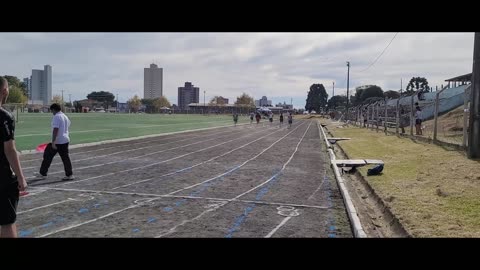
x=444, y=115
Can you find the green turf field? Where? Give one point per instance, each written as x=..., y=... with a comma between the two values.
x=34, y=128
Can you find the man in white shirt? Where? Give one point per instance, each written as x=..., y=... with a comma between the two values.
x=60, y=141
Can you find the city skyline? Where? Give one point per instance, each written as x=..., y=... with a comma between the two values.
x=281, y=66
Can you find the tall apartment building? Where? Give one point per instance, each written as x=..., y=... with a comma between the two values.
x=152, y=82
x=188, y=94
x=40, y=86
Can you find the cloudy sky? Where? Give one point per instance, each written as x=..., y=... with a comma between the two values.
x=281, y=66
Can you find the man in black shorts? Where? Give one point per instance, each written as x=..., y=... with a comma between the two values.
x=10, y=184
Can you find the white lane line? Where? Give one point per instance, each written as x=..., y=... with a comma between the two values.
x=44, y=206
x=144, y=155
x=250, y=190
x=278, y=227
x=157, y=197
x=184, y=197
x=150, y=165
x=281, y=170
x=196, y=165
x=172, y=230
x=125, y=151
x=93, y=220
x=161, y=135
x=324, y=168
x=239, y=166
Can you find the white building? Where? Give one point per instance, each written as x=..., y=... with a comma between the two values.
x=152, y=82
x=40, y=86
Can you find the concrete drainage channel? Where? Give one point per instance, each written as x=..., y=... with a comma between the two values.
x=378, y=220
x=352, y=212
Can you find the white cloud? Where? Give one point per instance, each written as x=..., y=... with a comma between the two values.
x=278, y=65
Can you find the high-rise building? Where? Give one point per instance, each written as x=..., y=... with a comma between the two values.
x=26, y=81
x=188, y=94
x=263, y=102
x=152, y=82
x=40, y=86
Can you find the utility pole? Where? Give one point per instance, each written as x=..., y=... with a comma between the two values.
x=473, y=150
x=401, y=86
x=348, y=84
x=204, y=104
x=70, y=101
x=333, y=91
x=63, y=103
x=118, y=105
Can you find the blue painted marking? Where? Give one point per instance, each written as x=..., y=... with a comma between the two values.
x=240, y=220
x=330, y=219
x=25, y=233
x=150, y=220
x=135, y=230
x=83, y=210
x=251, y=206
x=47, y=224
x=202, y=188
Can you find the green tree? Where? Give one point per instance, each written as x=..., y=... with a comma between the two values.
x=149, y=104
x=161, y=102
x=16, y=95
x=337, y=101
x=245, y=101
x=106, y=98
x=14, y=81
x=391, y=94
x=134, y=103
x=372, y=91
x=317, y=98
x=417, y=84
x=78, y=107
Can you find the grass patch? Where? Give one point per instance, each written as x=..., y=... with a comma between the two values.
x=433, y=191
x=33, y=129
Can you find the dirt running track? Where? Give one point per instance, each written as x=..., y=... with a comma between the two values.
x=245, y=181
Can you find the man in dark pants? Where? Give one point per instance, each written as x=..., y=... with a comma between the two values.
x=60, y=141
x=10, y=184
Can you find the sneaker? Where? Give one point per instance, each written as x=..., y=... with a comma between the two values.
x=39, y=176
x=68, y=178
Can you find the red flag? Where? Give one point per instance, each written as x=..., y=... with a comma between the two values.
x=41, y=147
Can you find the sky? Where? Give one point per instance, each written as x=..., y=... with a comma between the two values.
x=281, y=66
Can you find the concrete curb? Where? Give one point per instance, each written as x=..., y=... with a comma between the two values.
x=25, y=152
x=352, y=212
x=394, y=219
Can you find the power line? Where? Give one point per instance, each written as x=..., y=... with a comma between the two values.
x=378, y=57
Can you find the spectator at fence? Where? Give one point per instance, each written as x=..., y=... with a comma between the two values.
x=365, y=117
x=404, y=119
x=418, y=120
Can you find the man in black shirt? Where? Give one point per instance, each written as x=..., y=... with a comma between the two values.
x=10, y=184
